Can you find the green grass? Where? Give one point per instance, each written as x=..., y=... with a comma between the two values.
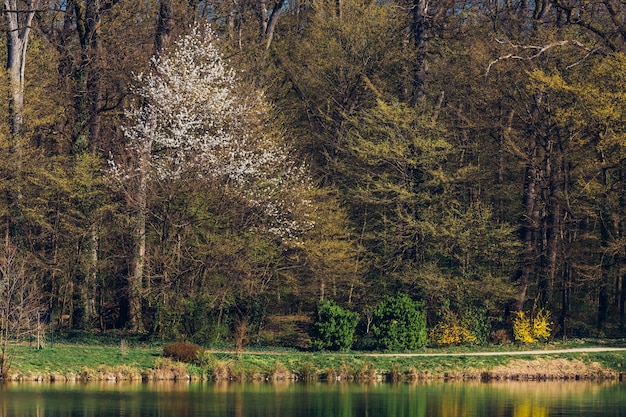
x=68, y=359
x=78, y=359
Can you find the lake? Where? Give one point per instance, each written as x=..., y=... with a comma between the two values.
x=445, y=399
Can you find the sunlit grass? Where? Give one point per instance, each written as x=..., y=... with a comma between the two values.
x=64, y=359
x=127, y=358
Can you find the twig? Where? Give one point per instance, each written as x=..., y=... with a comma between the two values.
x=537, y=51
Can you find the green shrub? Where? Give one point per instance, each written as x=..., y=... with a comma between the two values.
x=399, y=323
x=333, y=327
x=206, y=360
x=182, y=351
x=478, y=323
x=470, y=327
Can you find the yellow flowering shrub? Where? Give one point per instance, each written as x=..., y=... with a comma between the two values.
x=522, y=328
x=542, y=326
x=527, y=329
x=444, y=334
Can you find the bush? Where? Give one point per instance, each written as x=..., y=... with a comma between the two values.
x=472, y=328
x=399, y=323
x=182, y=351
x=445, y=334
x=500, y=337
x=478, y=323
x=333, y=327
x=527, y=329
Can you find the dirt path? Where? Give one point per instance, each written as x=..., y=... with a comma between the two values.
x=487, y=353
x=507, y=353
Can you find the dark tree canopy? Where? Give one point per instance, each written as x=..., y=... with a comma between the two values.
x=469, y=155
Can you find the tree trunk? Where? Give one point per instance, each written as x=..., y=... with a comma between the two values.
x=622, y=256
x=554, y=174
x=419, y=29
x=165, y=25
x=88, y=75
x=91, y=277
x=137, y=278
x=622, y=301
x=18, y=25
x=267, y=22
x=529, y=224
x=565, y=298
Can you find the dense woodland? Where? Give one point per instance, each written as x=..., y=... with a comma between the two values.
x=470, y=154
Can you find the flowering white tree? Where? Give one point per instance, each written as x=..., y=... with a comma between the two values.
x=193, y=118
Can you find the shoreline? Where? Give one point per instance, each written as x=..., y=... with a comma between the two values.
x=109, y=364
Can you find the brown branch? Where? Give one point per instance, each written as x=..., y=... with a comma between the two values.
x=535, y=51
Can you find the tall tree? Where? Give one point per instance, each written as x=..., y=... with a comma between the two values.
x=87, y=18
x=18, y=16
x=592, y=114
x=193, y=120
x=162, y=40
x=326, y=71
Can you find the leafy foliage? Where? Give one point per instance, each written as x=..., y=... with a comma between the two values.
x=445, y=164
x=527, y=329
x=444, y=334
x=334, y=327
x=399, y=323
x=471, y=328
x=193, y=118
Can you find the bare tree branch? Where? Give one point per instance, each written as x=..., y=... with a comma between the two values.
x=530, y=52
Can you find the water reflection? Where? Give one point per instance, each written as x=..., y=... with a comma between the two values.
x=164, y=399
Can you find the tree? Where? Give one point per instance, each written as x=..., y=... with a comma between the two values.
x=18, y=17
x=19, y=304
x=89, y=72
x=165, y=24
x=193, y=120
x=324, y=73
x=393, y=174
x=593, y=115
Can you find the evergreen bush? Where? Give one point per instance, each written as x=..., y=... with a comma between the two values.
x=333, y=327
x=399, y=323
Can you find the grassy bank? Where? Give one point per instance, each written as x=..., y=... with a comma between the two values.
x=123, y=362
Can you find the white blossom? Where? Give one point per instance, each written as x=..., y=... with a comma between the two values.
x=190, y=117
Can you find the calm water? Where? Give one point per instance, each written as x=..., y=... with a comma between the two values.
x=518, y=399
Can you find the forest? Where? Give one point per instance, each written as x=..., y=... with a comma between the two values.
x=194, y=170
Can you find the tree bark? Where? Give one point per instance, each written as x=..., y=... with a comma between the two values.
x=137, y=277
x=529, y=224
x=419, y=29
x=88, y=77
x=18, y=22
x=267, y=22
x=554, y=174
x=165, y=24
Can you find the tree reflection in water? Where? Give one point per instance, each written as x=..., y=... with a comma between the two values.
x=440, y=399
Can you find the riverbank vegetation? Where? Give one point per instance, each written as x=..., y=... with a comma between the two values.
x=126, y=361
x=444, y=172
